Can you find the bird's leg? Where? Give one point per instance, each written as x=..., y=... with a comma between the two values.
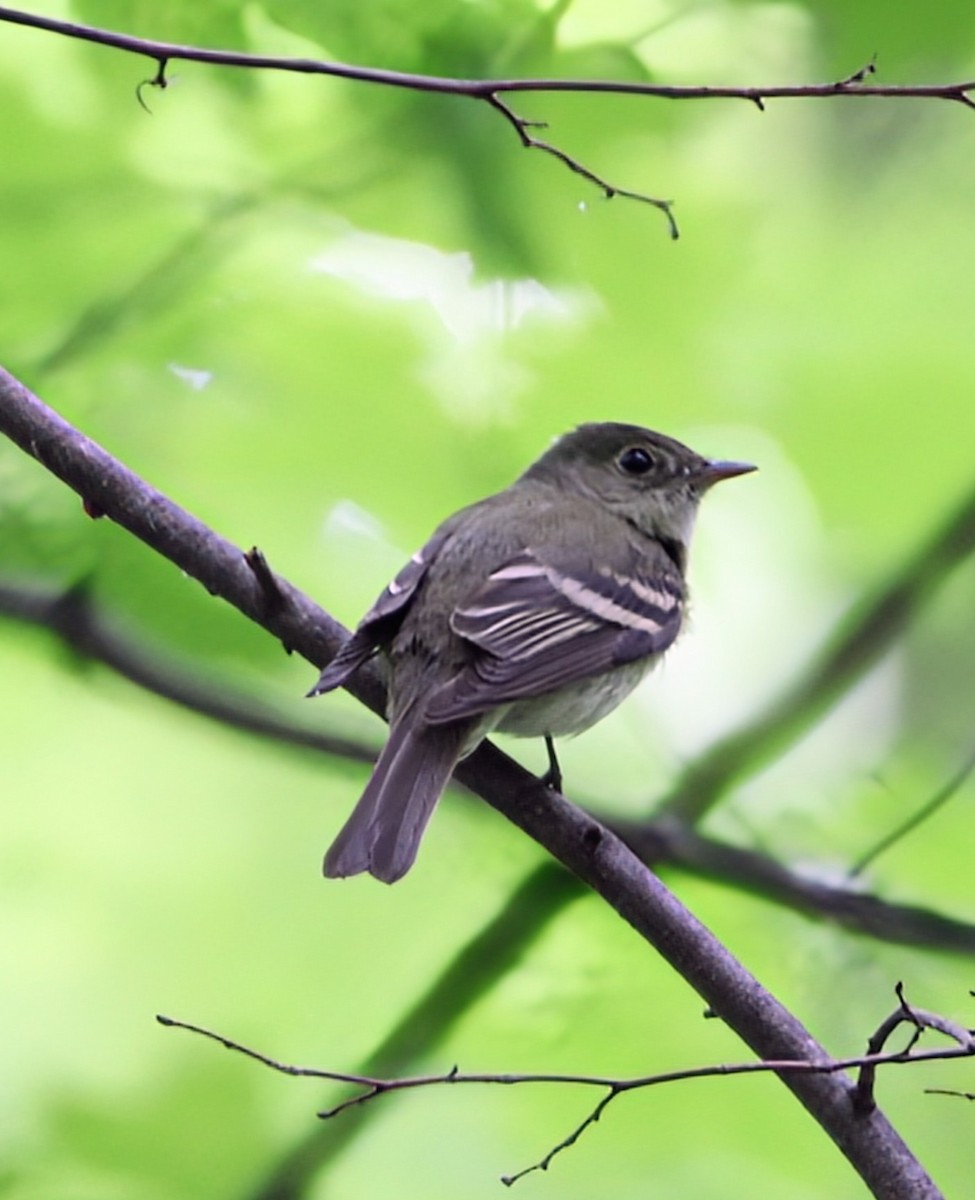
x=553, y=776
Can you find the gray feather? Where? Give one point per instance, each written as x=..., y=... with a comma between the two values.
x=383, y=833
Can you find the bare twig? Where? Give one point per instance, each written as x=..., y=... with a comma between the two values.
x=919, y=1020
x=489, y=91
x=924, y=813
x=371, y=1087
x=274, y=599
x=159, y=81
x=483, y=89
x=530, y=142
x=864, y=73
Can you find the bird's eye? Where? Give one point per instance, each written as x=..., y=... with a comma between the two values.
x=636, y=461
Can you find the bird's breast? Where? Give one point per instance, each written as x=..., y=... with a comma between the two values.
x=576, y=707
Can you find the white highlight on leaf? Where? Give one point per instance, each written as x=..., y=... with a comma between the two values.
x=196, y=377
x=346, y=517
x=462, y=321
x=400, y=270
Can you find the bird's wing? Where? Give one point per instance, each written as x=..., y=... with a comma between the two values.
x=381, y=622
x=537, y=627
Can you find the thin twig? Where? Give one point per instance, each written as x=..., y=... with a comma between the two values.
x=490, y=90
x=372, y=1087
x=924, y=813
x=852, y=86
x=919, y=1020
x=158, y=80
x=864, y=73
x=274, y=599
x=609, y=190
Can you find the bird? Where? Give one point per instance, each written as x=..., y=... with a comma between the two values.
x=533, y=612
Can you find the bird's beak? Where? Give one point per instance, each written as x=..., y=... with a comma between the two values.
x=716, y=470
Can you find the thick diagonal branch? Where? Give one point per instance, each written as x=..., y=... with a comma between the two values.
x=580, y=843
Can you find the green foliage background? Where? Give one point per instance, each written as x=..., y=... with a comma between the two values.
x=321, y=316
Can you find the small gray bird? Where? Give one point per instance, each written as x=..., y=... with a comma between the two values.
x=533, y=612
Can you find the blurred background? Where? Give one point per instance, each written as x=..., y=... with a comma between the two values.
x=321, y=316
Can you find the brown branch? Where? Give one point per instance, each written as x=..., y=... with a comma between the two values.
x=666, y=842
x=483, y=89
x=580, y=843
x=371, y=1087
x=490, y=90
x=73, y=616
x=919, y=1020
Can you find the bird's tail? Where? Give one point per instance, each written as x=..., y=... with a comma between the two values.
x=384, y=831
